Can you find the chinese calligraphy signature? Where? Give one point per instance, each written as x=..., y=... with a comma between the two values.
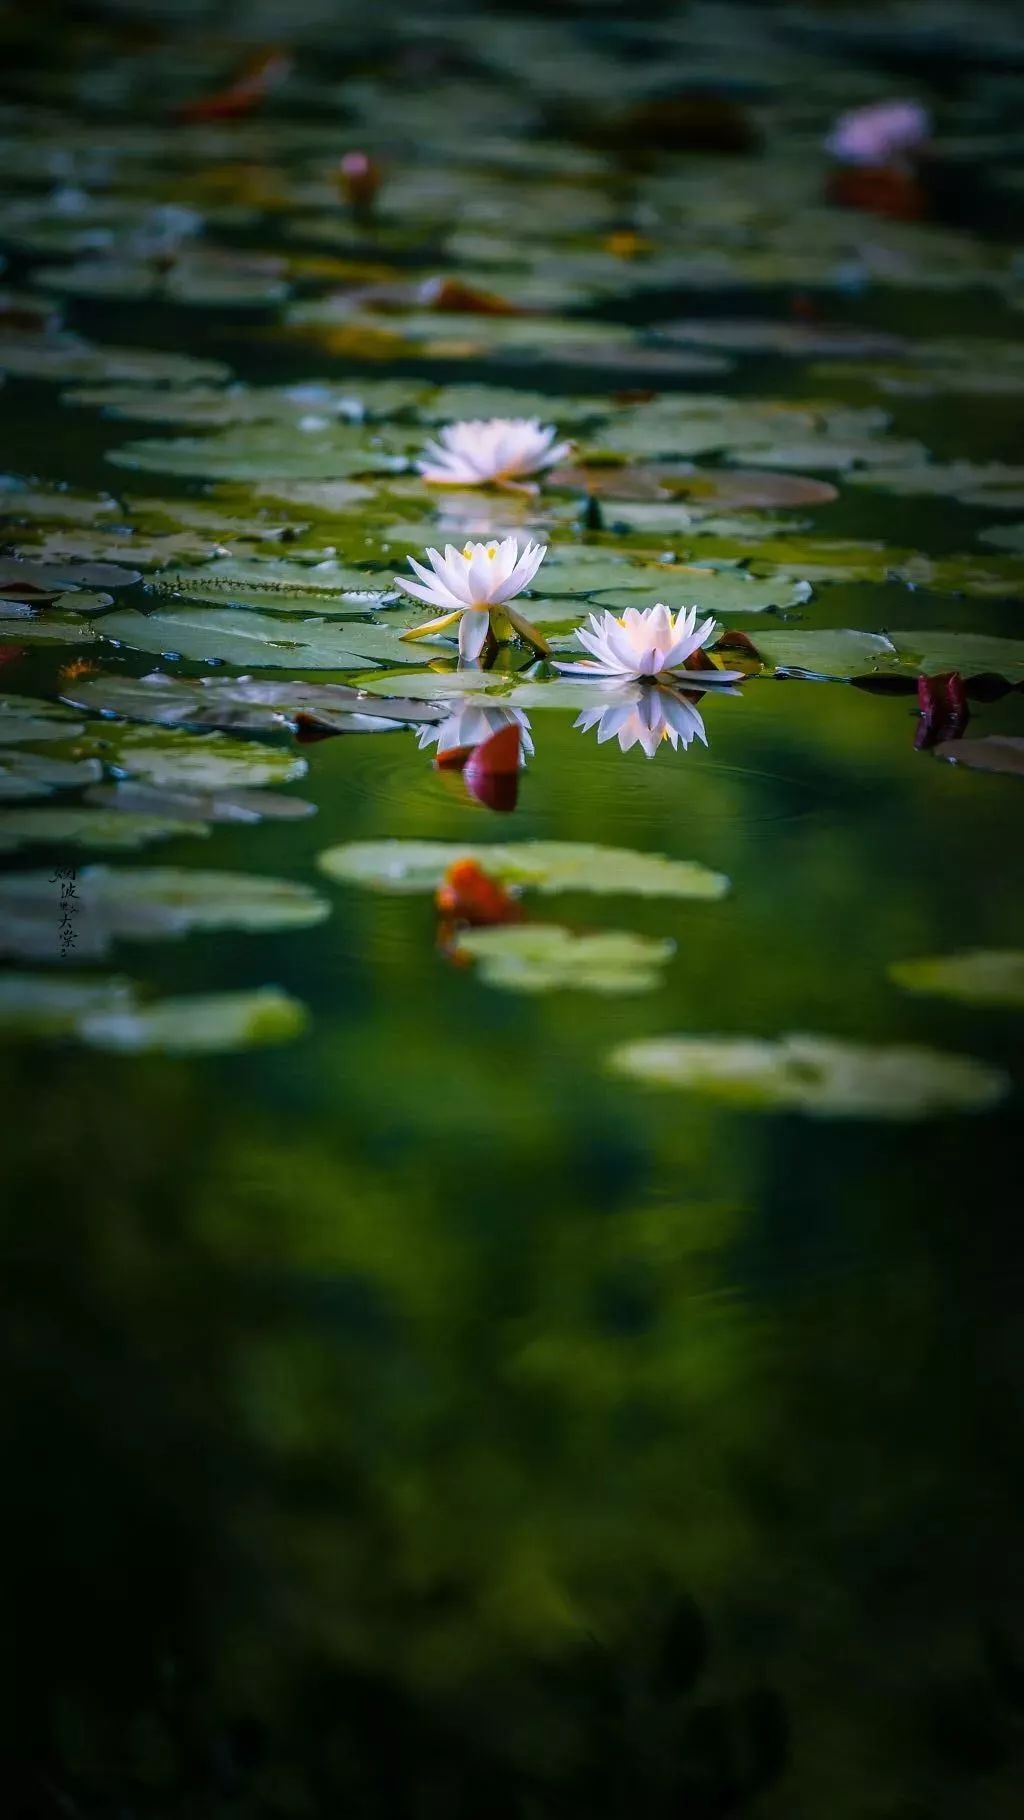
x=67, y=878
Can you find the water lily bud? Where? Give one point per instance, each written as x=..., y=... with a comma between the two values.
x=360, y=178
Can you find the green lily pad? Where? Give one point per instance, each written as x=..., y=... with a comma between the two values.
x=545, y=866
x=999, y=752
x=224, y=634
x=287, y=587
x=980, y=976
x=94, y=828
x=190, y=805
x=201, y=1024
x=27, y=718
x=53, y=1004
x=1005, y=537
x=827, y=654
x=821, y=1076
x=260, y=452
x=255, y=703
x=963, y=480
x=150, y=903
x=66, y=357
x=724, y=591
x=543, y=957
x=107, y=1013
x=180, y=759
x=24, y=775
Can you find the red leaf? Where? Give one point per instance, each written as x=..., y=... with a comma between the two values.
x=738, y=641
x=944, y=710
x=11, y=654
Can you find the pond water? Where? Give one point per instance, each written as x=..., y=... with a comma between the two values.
x=456, y=1364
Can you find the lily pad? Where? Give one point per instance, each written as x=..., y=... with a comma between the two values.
x=26, y=718
x=108, y=1013
x=980, y=976
x=236, y=636
x=94, y=828
x=151, y=903
x=999, y=752
x=189, y=805
x=203, y=1024
x=261, y=452
x=820, y=1076
x=545, y=866
x=722, y=591
x=53, y=1004
x=24, y=775
x=179, y=759
x=543, y=957
x=244, y=702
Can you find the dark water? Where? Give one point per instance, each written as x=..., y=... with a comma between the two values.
x=420, y=1417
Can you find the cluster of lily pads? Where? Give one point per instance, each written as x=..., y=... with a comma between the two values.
x=579, y=550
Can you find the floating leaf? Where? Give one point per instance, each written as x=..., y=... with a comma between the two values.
x=546, y=866
x=980, y=976
x=74, y=827
x=151, y=903
x=200, y=806
x=25, y=718
x=184, y=760
x=227, y=635
x=542, y=957
x=722, y=591
x=996, y=752
x=107, y=1014
x=203, y=1024
x=260, y=452
x=242, y=702
x=25, y=774
x=53, y=1004
x=821, y=1076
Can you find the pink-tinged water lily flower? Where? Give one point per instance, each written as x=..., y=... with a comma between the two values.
x=658, y=715
x=884, y=132
x=491, y=451
x=474, y=586
x=647, y=642
x=470, y=725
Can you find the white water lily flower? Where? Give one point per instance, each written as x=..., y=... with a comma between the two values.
x=645, y=642
x=659, y=715
x=470, y=725
x=483, y=450
x=474, y=586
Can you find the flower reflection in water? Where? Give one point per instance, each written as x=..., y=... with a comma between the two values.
x=647, y=716
x=469, y=725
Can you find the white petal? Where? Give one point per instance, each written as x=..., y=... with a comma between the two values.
x=473, y=633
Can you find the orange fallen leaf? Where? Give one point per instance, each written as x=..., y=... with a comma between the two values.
x=470, y=895
x=252, y=85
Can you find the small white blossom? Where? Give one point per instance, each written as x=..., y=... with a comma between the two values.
x=482, y=451
x=645, y=642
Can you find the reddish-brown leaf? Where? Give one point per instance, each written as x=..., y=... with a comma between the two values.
x=944, y=710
